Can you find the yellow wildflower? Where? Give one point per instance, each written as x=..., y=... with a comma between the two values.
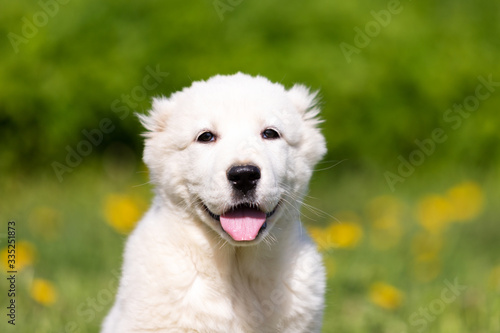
x=467, y=200
x=43, y=292
x=344, y=234
x=385, y=295
x=434, y=213
x=122, y=212
x=24, y=256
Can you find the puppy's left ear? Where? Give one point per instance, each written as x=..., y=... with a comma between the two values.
x=313, y=144
x=156, y=119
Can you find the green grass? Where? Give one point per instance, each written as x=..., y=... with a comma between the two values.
x=397, y=88
x=81, y=258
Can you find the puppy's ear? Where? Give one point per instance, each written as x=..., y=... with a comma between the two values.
x=156, y=119
x=306, y=102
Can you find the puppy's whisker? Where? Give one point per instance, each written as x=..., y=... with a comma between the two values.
x=331, y=166
x=143, y=184
x=316, y=211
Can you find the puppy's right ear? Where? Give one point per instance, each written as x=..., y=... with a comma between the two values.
x=306, y=102
x=156, y=119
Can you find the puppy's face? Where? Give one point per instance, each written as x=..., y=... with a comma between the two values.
x=235, y=151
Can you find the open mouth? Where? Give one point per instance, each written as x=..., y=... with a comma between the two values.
x=243, y=222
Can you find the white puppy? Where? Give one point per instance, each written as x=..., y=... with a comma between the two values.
x=222, y=248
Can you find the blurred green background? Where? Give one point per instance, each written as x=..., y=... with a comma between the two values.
x=402, y=206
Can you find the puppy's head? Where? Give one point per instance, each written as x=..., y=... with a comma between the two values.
x=234, y=151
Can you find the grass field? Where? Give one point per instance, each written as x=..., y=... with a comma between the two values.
x=390, y=270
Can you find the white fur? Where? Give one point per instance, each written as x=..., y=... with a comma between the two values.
x=181, y=271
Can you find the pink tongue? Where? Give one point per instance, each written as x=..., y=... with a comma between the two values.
x=243, y=224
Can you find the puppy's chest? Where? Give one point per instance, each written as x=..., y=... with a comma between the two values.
x=249, y=303
x=260, y=299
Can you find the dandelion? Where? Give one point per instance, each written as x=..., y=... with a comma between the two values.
x=25, y=254
x=344, y=234
x=434, y=213
x=122, y=211
x=43, y=292
x=385, y=295
x=462, y=203
x=467, y=201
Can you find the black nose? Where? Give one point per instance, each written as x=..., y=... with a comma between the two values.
x=244, y=177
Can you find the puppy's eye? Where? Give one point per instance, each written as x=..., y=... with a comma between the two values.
x=206, y=137
x=270, y=134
